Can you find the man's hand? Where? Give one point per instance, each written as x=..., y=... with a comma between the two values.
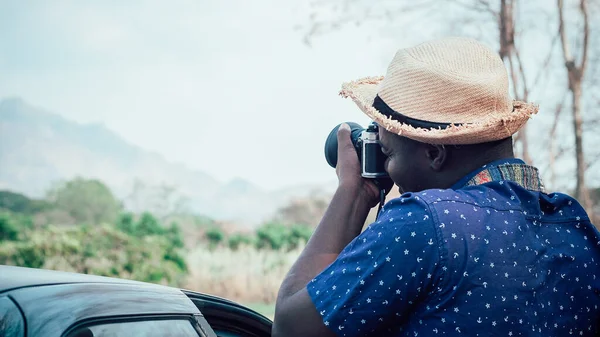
x=348, y=170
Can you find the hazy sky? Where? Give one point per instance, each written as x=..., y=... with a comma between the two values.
x=224, y=86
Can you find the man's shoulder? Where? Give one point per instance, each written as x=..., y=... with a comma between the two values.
x=559, y=206
x=492, y=197
x=498, y=197
x=434, y=198
x=421, y=207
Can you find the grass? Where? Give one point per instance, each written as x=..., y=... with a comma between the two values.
x=245, y=275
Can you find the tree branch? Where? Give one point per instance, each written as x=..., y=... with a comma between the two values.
x=561, y=151
x=562, y=33
x=505, y=25
x=513, y=75
x=345, y=16
x=595, y=160
x=591, y=125
x=522, y=72
x=546, y=63
x=586, y=34
x=557, y=112
x=553, y=156
x=483, y=6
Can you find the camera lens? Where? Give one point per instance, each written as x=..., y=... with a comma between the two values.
x=331, y=144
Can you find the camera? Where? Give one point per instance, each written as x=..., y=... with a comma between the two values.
x=368, y=148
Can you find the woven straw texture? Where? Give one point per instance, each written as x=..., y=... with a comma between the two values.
x=451, y=80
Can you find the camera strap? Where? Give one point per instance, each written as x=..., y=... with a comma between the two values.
x=381, y=201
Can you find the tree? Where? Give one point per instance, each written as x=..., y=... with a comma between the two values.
x=510, y=53
x=19, y=203
x=473, y=14
x=8, y=229
x=552, y=146
x=86, y=200
x=529, y=41
x=305, y=211
x=148, y=225
x=162, y=200
x=575, y=74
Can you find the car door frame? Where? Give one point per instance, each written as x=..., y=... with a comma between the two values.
x=226, y=315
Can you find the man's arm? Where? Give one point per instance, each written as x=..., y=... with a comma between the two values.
x=295, y=314
x=377, y=280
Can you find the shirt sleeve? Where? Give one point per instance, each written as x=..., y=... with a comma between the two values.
x=382, y=273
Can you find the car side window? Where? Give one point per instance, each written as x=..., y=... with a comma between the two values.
x=141, y=328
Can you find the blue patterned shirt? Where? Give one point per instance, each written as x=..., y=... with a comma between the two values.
x=492, y=256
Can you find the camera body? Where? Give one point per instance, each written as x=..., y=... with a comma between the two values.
x=368, y=149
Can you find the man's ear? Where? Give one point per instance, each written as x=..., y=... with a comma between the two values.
x=437, y=155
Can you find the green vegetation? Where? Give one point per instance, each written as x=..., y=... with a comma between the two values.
x=107, y=243
x=239, y=239
x=277, y=236
x=18, y=203
x=101, y=250
x=214, y=236
x=86, y=201
x=93, y=234
x=272, y=236
x=9, y=231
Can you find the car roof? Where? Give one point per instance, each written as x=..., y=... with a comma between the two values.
x=12, y=277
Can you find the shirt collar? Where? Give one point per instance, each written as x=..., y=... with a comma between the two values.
x=511, y=169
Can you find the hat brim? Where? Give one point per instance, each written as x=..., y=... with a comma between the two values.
x=499, y=126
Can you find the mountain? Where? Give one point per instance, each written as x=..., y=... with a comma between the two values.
x=38, y=148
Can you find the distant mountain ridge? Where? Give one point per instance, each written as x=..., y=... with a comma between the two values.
x=38, y=148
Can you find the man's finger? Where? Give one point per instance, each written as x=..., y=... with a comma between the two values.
x=344, y=141
x=348, y=168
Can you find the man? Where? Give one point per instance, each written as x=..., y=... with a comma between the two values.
x=473, y=247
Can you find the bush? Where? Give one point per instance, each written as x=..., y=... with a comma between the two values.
x=215, y=236
x=239, y=239
x=272, y=236
x=106, y=241
x=176, y=258
x=27, y=255
x=299, y=234
x=8, y=228
x=148, y=225
x=12, y=224
x=278, y=236
x=126, y=224
x=102, y=250
x=175, y=235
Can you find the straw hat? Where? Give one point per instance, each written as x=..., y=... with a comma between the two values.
x=447, y=91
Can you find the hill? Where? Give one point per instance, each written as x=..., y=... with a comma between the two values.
x=39, y=148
